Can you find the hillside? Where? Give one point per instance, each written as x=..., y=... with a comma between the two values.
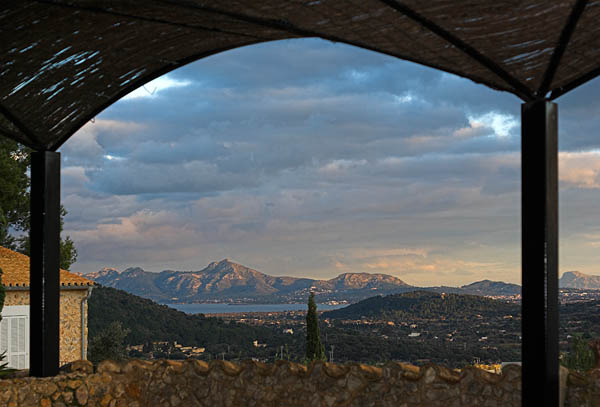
x=575, y=279
x=449, y=328
x=133, y=280
x=151, y=322
x=424, y=305
x=487, y=287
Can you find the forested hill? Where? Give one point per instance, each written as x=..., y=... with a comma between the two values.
x=151, y=322
x=425, y=305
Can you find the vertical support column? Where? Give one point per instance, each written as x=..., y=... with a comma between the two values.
x=539, y=243
x=44, y=266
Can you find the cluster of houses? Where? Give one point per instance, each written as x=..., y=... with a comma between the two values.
x=165, y=347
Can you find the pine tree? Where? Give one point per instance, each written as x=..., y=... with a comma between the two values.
x=14, y=203
x=314, y=348
x=14, y=191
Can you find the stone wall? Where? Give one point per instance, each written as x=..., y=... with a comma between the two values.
x=70, y=319
x=583, y=389
x=16, y=298
x=195, y=383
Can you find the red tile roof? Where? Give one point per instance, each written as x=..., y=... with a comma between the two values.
x=15, y=268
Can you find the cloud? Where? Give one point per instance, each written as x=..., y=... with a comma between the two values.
x=502, y=124
x=580, y=169
x=155, y=88
x=299, y=157
x=414, y=265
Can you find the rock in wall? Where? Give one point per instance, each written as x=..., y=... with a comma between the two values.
x=194, y=383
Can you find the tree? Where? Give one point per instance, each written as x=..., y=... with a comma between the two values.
x=581, y=356
x=14, y=203
x=314, y=348
x=68, y=253
x=14, y=191
x=6, y=239
x=109, y=344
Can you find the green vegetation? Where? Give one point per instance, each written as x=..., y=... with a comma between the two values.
x=424, y=326
x=68, y=253
x=580, y=317
x=109, y=343
x=314, y=347
x=372, y=340
x=580, y=356
x=579, y=323
x=14, y=203
x=14, y=187
x=454, y=330
x=425, y=305
x=150, y=322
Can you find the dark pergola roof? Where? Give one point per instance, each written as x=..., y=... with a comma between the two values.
x=63, y=62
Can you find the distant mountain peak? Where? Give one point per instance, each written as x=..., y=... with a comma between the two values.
x=485, y=283
x=366, y=280
x=103, y=273
x=134, y=271
x=223, y=263
x=576, y=279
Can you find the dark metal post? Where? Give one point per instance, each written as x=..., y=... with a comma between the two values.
x=539, y=243
x=45, y=261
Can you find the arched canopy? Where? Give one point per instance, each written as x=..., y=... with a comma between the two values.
x=65, y=61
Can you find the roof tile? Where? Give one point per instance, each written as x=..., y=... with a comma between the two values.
x=15, y=268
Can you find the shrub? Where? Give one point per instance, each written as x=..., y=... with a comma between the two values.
x=109, y=344
x=581, y=356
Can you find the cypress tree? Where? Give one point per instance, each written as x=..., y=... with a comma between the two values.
x=314, y=348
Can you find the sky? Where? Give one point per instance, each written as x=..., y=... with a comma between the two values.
x=310, y=158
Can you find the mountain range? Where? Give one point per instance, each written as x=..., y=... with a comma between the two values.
x=226, y=281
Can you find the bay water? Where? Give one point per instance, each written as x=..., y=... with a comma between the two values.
x=241, y=308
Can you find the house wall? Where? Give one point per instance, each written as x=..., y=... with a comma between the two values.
x=70, y=319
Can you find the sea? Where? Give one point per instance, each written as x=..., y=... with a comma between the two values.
x=241, y=308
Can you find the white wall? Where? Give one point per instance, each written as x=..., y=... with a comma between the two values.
x=14, y=335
